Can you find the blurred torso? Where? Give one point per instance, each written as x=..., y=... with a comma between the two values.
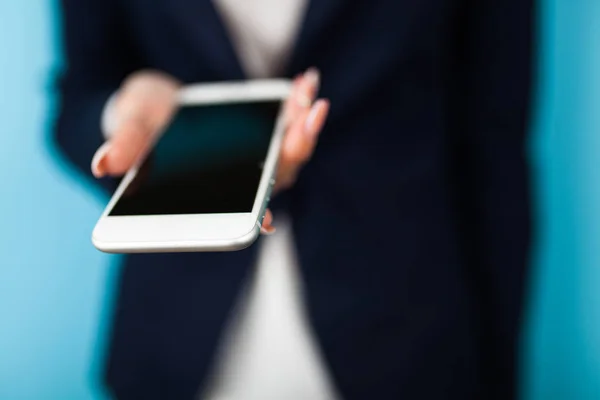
x=366, y=210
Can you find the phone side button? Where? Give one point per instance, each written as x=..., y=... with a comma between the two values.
x=262, y=215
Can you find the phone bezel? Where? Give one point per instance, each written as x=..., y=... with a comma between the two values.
x=199, y=232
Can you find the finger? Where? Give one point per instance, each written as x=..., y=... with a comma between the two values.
x=267, y=228
x=304, y=92
x=130, y=142
x=295, y=152
x=300, y=143
x=308, y=88
x=316, y=120
x=138, y=121
x=99, y=160
x=116, y=156
x=301, y=139
x=291, y=105
x=296, y=145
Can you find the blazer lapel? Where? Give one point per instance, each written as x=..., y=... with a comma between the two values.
x=202, y=24
x=318, y=16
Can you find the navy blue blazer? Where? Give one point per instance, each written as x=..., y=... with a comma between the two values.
x=412, y=219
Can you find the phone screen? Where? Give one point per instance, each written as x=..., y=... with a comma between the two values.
x=208, y=161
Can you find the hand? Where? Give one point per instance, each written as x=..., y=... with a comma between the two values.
x=144, y=105
x=148, y=100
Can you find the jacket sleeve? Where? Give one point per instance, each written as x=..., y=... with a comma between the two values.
x=490, y=106
x=98, y=56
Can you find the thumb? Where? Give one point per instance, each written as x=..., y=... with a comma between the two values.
x=129, y=143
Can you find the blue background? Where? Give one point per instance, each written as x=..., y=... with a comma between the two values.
x=56, y=290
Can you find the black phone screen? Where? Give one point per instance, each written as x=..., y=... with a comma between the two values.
x=208, y=161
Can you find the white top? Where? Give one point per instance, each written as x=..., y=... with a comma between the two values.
x=263, y=32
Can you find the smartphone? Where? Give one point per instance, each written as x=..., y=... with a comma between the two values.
x=207, y=181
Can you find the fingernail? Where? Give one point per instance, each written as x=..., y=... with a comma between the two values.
x=313, y=76
x=97, y=162
x=268, y=231
x=314, y=113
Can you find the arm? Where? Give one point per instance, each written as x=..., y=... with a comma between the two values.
x=490, y=107
x=98, y=57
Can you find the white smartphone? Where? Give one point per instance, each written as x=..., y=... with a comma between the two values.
x=206, y=184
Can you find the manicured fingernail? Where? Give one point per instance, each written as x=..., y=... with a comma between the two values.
x=315, y=114
x=268, y=231
x=98, y=160
x=313, y=77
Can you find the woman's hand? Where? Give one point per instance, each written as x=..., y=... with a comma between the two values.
x=148, y=100
x=141, y=108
